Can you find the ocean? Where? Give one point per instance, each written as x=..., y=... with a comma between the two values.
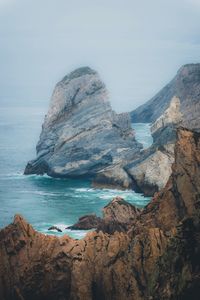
x=42, y=200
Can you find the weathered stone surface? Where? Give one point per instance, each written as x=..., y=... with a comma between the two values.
x=185, y=86
x=158, y=258
x=182, y=192
x=152, y=173
x=82, y=135
x=86, y=222
x=171, y=115
x=120, y=211
x=152, y=170
x=118, y=215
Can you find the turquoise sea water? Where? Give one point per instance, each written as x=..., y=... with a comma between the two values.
x=142, y=133
x=45, y=201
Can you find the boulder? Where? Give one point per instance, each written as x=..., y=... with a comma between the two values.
x=86, y=222
x=118, y=215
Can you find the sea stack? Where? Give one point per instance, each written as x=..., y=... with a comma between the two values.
x=82, y=135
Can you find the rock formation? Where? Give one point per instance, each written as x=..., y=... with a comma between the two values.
x=55, y=228
x=152, y=170
x=86, y=222
x=185, y=86
x=177, y=104
x=157, y=258
x=118, y=215
x=82, y=135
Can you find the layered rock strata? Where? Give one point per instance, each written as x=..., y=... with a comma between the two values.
x=152, y=170
x=82, y=135
x=185, y=86
x=157, y=258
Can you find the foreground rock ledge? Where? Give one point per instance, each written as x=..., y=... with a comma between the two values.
x=157, y=258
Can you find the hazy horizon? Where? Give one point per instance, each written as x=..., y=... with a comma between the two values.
x=136, y=48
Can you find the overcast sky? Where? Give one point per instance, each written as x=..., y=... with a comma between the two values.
x=136, y=46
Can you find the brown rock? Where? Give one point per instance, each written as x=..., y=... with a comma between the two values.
x=118, y=215
x=86, y=222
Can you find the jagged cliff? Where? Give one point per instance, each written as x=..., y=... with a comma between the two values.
x=82, y=135
x=152, y=170
x=156, y=258
x=177, y=104
x=185, y=86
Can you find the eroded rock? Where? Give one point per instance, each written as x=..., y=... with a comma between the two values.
x=86, y=222
x=118, y=215
x=82, y=135
x=152, y=170
x=185, y=85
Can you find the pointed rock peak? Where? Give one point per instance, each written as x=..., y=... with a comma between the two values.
x=19, y=219
x=79, y=72
x=23, y=226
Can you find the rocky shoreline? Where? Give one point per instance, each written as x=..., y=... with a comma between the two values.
x=155, y=257
x=82, y=137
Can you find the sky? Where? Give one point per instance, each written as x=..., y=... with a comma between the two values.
x=136, y=46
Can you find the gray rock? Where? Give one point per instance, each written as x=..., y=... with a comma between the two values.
x=55, y=228
x=82, y=135
x=151, y=172
x=186, y=86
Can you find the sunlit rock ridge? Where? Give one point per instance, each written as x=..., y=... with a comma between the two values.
x=82, y=135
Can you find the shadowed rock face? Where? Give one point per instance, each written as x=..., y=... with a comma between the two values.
x=185, y=86
x=82, y=136
x=157, y=258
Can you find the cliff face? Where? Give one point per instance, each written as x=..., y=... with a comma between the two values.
x=152, y=170
x=81, y=135
x=177, y=104
x=157, y=258
x=185, y=86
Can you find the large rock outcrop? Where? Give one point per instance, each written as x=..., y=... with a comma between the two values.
x=157, y=258
x=185, y=86
x=177, y=104
x=152, y=170
x=118, y=215
x=82, y=135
